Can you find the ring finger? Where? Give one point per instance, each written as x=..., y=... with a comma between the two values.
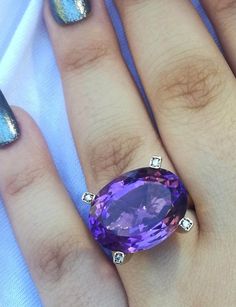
x=192, y=92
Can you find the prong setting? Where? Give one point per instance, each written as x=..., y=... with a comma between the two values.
x=186, y=224
x=118, y=257
x=155, y=162
x=88, y=197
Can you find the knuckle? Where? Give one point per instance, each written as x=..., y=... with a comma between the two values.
x=226, y=6
x=57, y=257
x=22, y=180
x=113, y=155
x=193, y=83
x=85, y=56
x=58, y=261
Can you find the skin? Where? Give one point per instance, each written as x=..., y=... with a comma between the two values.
x=192, y=90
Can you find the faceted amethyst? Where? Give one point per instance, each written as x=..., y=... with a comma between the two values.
x=138, y=210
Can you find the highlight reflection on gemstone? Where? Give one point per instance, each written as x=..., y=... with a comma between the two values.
x=138, y=210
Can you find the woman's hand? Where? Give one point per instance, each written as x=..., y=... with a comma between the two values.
x=192, y=91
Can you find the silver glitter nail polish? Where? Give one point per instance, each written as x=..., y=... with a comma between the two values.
x=69, y=11
x=9, y=129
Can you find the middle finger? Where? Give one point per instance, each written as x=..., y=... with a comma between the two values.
x=110, y=125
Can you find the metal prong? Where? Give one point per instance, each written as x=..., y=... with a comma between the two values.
x=186, y=224
x=155, y=162
x=88, y=197
x=118, y=257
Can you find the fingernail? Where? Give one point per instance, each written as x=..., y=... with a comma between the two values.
x=9, y=129
x=69, y=11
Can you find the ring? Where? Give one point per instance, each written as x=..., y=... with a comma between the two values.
x=138, y=210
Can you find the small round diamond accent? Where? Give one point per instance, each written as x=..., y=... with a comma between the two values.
x=118, y=257
x=186, y=224
x=88, y=197
x=156, y=162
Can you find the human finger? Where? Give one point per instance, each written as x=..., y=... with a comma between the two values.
x=61, y=256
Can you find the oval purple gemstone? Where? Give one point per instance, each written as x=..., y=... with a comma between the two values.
x=138, y=210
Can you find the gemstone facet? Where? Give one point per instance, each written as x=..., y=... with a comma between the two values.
x=138, y=210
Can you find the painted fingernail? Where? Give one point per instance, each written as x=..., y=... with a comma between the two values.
x=9, y=129
x=69, y=11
